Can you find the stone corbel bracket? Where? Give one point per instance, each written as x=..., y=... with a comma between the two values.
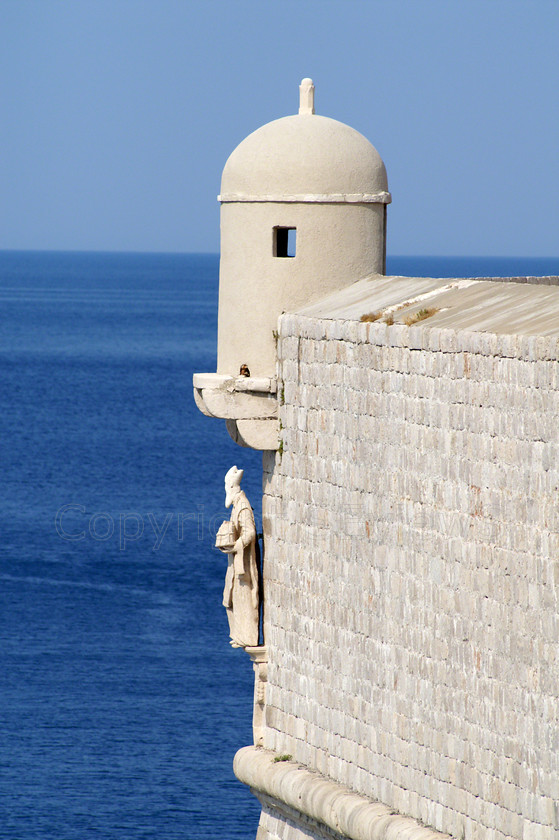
x=285, y=786
x=259, y=657
x=248, y=405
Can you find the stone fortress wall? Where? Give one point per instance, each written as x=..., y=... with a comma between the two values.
x=408, y=684
x=411, y=578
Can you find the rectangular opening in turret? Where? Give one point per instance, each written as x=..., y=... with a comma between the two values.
x=285, y=241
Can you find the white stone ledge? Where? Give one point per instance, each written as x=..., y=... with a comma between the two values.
x=259, y=384
x=382, y=197
x=248, y=404
x=235, y=398
x=320, y=799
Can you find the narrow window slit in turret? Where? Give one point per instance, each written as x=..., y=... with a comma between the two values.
x=285, y=241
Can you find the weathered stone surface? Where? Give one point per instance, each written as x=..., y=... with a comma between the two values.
x=327, y=804
x=412, y=572
x=238, y=405
x=242, y=398
x=257, y=434
x=247, y=404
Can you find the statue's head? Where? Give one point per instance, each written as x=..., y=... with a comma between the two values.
x=232, y=485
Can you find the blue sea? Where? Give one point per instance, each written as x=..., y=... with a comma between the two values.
x=121, y=701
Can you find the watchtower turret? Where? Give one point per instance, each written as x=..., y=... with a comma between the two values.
x=303, y=214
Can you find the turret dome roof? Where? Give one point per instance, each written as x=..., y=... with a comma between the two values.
x=305, y=155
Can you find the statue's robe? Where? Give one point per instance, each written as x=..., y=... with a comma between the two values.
x=240, y=595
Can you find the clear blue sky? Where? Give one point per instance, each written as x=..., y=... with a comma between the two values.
x=117, y=116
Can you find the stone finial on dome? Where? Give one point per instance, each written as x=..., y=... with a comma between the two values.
x=306, y=97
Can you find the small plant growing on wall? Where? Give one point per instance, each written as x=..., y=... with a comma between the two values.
x=371, y=316
x=280, y=443
x=420, y=315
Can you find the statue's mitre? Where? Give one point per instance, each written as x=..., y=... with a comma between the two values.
x=234, y=476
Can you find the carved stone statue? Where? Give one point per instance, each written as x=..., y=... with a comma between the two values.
x=237, y=538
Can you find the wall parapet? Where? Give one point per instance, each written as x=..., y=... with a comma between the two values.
x=329, y=804
x=530, y=348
